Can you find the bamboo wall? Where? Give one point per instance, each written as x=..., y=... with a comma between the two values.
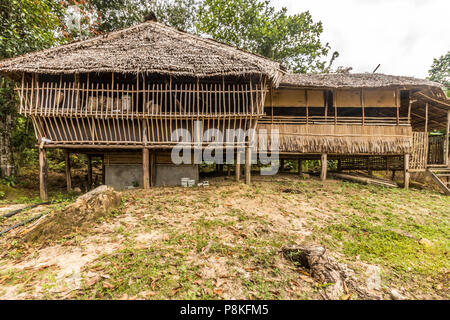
x=88, y=113
x=340, y=139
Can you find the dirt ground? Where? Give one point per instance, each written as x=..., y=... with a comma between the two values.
x=224, y=242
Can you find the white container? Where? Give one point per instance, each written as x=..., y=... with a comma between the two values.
x=191, y=183
x=206, y=183
x=184, y=182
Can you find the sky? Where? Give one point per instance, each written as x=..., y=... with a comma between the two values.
x=404, y=36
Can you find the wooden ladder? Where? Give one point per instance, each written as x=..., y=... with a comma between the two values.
x=442, y=178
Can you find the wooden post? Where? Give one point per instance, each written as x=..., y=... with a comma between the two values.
x=89, y=171
x=324, y=164
x=300, y=167
x=406, y=170
x=281, y=165
x=146, y=168
x=426, y=118
x=43, y=175
x=447, y=143
x=68, y=173
x=228, y=170
x=238, y=167
x=103, y=171
x=248, y=165
x=153, y=169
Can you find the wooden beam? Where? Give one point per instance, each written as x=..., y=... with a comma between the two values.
x=426, y=117
x=324, y=165
x=43, y=174
x=146, y=168
x=68, y=172
x=406, y=171
x=248, y=165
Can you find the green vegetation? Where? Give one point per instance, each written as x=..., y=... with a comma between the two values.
x=224, y=242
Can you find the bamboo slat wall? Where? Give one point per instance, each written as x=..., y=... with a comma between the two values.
x=339, y=139
x=419, y=154
x=145, y=114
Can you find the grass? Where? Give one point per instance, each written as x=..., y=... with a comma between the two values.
x=224, y=242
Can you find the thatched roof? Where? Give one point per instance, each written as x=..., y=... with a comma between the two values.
x=148, y=47
x=354, y=80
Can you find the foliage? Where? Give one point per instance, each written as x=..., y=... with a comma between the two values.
x=254, y=25
x=89, y=18
x=440, y=70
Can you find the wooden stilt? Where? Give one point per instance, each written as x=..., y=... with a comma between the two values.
x=339, y=165
x=43, y=175
x=153, y=169
x=146, y=168
x=248, y=165
x=281, y=165
x=300, y=167
x=324, y=164
x=89, y=172
x=238, y=167
x=228, y=170
x=103, y=170
x=406, y=170
x=68, y=172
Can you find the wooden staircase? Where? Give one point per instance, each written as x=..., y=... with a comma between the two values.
x=442, y=178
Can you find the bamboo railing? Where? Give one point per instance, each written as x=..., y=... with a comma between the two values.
x=74, y=113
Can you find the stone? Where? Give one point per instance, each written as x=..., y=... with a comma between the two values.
x=373, y=281
x=425, y=242
x=395, y=295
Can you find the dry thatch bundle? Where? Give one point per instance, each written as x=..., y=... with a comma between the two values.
x=149, y=47
x=355, y=80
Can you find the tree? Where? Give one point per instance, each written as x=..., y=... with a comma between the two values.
x=440, y=70
x=91, y=17
x=255, y=26
x=25, y=25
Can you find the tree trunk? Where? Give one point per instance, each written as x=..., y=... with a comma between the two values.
x=6, y=154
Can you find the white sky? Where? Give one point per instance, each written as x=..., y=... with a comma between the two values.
x=402, y=35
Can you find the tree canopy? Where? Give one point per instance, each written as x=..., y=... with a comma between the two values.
x=440, y=70
x=254, y=25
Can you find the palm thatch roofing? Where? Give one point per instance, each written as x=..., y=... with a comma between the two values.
x=149, y=47
x=355, y=80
